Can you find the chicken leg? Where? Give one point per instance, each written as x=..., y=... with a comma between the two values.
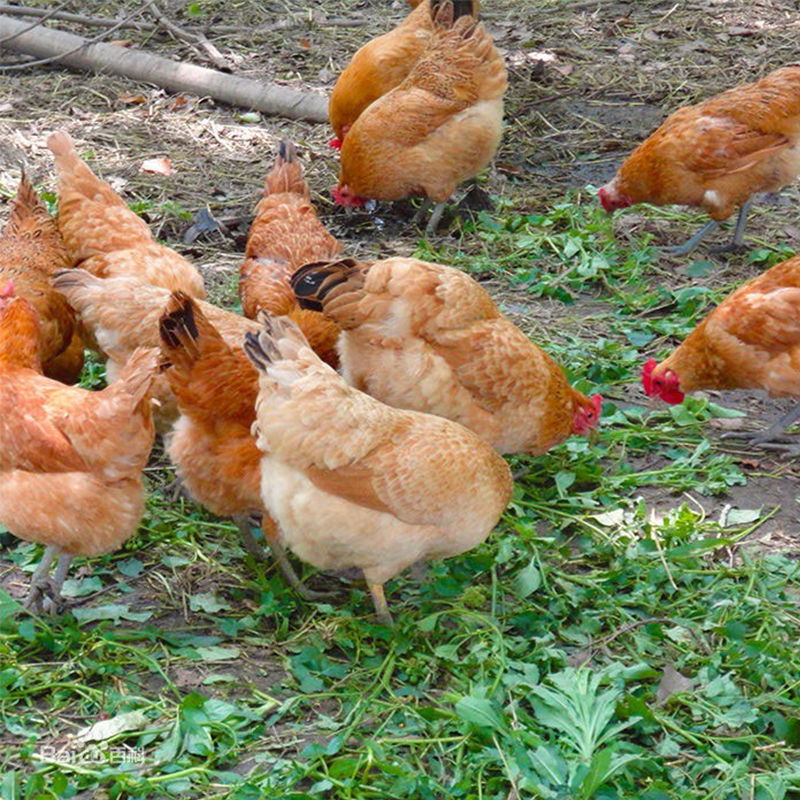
x=36, y=599
x=435, y=217
x=770, y=438
x=690, y=244
x=284, y=565
x=379, y=601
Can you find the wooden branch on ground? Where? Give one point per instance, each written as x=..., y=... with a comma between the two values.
x=74, y=51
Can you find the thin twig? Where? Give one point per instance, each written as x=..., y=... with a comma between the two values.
x=194, y=39
x=51, y=59
x=65, y=16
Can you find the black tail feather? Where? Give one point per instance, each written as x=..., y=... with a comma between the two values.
x=287, y=151
x=312, y=282
x=441, y=10
x=179, y=320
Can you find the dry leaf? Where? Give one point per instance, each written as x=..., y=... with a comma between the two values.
x=177, y=102
x=105, y=729
x=160, y=166
x=305, y=44
x=121, y=42
x=132, y=99
x=672, y=682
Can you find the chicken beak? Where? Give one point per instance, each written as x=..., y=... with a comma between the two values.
x=593, y=437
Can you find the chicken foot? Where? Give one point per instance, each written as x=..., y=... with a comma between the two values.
x=37, y=599
x=770, y=438
x=690, y=244
x=248, y=542
x=736, y=241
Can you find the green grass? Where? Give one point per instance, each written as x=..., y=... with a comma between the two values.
x=610, y=639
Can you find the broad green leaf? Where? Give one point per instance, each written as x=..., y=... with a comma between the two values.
x=111, y=611
x=481, y=712
x=528, y=579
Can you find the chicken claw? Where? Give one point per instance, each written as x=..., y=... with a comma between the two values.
x=44, y=593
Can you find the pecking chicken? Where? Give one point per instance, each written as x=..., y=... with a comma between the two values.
x=750, y=341
x=285, y=234
x=70, y=460
x=382, y=63
x=122, y=313
x=439, y=127
x=351, y=482
x=427, y=337
x=212, y=445
x=717, y=154
x=104, y=236
x=31, y=248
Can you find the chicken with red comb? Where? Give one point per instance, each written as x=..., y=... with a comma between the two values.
x=717, y=154
x=664, y=385
x=750, y=341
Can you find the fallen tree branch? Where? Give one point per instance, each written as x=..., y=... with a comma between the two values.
x=75, y=51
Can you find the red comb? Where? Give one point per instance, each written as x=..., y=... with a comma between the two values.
x=597, y=403
x=8, y=289
x=647, y=371
x=335, y=143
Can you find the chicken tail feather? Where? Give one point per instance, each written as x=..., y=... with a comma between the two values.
x=287, y=174
x=460, y=8
x=279, y=338
x=314, y=283
x=60, y=144
x=185, y=331
x=26, y=204
x=70, y=282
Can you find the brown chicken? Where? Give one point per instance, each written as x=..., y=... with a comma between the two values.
x=355, y=483
x=382, y=63
x=438, y=128
x=122, y=313
x=427, y=337
x=212, y=445
x=70, y=460
x=285, y=234
x=716, y=155
x=750, y=341
x=31, y=248
x=104, y=236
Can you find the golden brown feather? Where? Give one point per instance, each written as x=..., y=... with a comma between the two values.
x=715, y=155
x=354, y=483
x=440, y=126
x=31, y=248
x=70, y=460
x=427, y=337
x=104, y=236
x=286, y=233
